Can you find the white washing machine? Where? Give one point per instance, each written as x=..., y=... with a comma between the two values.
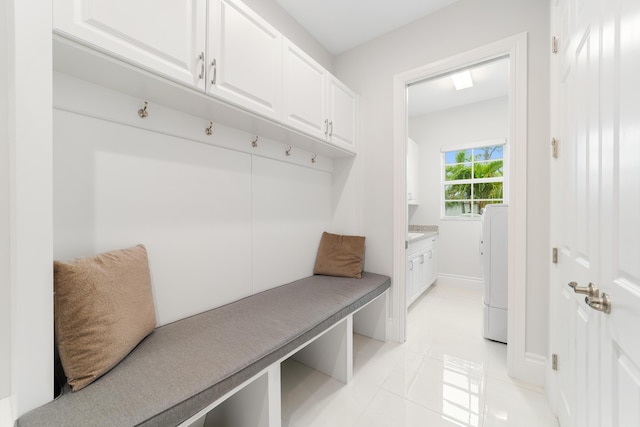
x=494, y=260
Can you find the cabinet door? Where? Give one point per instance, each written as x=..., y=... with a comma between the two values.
x=304, y=92
x=434, y=261
x=163, y=36
x=411, y=279
x=244, y=61
x=342, y=115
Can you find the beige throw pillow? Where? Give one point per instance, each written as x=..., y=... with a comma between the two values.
x=103, y=308
x=340, y=256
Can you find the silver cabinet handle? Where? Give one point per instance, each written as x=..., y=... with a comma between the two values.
x=331, y=126
x=411, y=265
x=215, y=71
x=201, y=59
x=326, y=127
x=602, y=303
x=591, y=290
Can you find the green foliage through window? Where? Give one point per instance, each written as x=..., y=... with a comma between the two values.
x=473, y=178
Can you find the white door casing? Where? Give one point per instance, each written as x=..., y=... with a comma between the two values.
x=521, y=365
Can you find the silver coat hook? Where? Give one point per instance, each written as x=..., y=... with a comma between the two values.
x=288, y=151
x=209, y=130
x=143, y=111
x=254, y=143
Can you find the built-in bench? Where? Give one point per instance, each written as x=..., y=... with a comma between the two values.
x=222, y=367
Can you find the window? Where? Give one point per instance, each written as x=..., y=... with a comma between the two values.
x=473, y=177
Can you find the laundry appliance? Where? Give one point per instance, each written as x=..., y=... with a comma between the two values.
x=494, y=260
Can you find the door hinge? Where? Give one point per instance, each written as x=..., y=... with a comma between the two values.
x=554, y=362
x=554, y=146
x=554, y=255
x=554, y=44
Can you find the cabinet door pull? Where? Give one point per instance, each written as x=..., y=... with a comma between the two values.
x=331, y=127
x=215, y=71
x=201, y=60
x=326, y=127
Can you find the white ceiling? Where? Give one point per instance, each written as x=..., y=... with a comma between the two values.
x=340, y=25
x=490, y=80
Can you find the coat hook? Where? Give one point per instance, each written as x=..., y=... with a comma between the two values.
x=288, y=151
x=313, y=159
x=254, y=143
x=143, y=111
x=209, y=130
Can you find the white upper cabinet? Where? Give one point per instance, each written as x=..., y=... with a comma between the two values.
x=163, y=36
x=315, y=102
x=341, y=115
x=305, y=92
x=253, y=76
x=244, y=61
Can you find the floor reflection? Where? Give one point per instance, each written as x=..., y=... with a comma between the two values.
x=462, y=388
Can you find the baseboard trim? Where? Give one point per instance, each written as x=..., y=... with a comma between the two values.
x=531, y=369
x=7, y=413
x=458, y=281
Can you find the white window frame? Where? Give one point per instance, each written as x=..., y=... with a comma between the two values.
x=468, y=146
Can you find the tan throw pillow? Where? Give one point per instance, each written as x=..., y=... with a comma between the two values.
x=340, y=256
x=103, y=308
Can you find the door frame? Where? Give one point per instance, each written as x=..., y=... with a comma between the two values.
x=523, y=366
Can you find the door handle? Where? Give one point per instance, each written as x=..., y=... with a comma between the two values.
x=591, y=290
x=602, y=303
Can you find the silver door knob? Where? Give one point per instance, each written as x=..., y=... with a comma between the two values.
x=590, y=290
x=602, y=303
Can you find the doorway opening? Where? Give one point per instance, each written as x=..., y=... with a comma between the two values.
x=515, y=50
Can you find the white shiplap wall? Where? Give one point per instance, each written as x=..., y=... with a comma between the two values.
x=219, y=223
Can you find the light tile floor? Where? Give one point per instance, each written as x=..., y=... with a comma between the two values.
x=446, y=374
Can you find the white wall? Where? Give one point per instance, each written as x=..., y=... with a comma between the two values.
x=463, y=26
x=5, y=276
x=458, y=243
x=219, y=224
x=29, y=140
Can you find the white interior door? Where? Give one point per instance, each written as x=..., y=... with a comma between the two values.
x=620, y=116
x=598, y=234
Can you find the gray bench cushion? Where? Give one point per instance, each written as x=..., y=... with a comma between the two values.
x=184, y=366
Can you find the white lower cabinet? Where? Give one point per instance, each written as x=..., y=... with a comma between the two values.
x=422, y=266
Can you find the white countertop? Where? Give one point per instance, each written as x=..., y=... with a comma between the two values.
x=413, y=236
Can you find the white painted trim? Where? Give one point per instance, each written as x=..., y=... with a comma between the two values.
x=473, y=144
x=457, y=281
x=7, y=412
x=532, y=369
x=88, y=99
x=520, y=365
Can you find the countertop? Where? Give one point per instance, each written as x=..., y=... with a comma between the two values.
x=415, y=236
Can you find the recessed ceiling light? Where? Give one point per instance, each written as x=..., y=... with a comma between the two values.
x=462, y=80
